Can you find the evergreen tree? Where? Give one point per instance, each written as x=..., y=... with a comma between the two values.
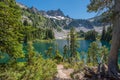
x=65, y=53
x=10, y=28
x=93, y=53
x=106, y=35
x=49, y=52
x=25, y=23
x=58, y=56
x=81, y=34
x=109, y=34
x=91, y=35
x=103, y=34
x=49, y=34
x=73, y=43
x=97, y=54
x=103, y=51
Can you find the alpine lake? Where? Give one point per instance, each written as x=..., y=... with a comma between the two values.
x=42, y=46
x=83, y=46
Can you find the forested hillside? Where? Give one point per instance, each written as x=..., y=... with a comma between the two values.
x=56, y=19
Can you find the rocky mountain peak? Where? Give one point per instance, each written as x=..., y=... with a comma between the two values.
x=57, y=12
x=34, y=10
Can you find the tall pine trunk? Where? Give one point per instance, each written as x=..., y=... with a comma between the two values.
x=113, y=56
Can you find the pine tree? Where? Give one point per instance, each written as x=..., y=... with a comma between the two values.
x=10, y=28
x=103, y=34
x=65, y=53
x=73, y=43
x=93, y=53
x=49, y=52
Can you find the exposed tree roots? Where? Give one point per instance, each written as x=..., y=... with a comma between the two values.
x=101, y=73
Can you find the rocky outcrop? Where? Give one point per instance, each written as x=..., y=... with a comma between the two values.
x=55, y=13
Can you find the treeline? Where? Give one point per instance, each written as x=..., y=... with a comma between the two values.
x=90, y=35
x=93, y=35
x=32, y=33
x=39, y=27
x=106, y=34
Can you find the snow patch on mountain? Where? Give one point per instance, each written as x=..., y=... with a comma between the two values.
x=56, y=17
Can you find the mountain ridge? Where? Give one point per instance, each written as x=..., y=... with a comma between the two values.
x=57, y=20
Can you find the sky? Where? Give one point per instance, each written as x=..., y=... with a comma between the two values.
x=76, y=9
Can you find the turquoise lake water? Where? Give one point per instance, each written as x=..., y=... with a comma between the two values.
x=41, y=47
